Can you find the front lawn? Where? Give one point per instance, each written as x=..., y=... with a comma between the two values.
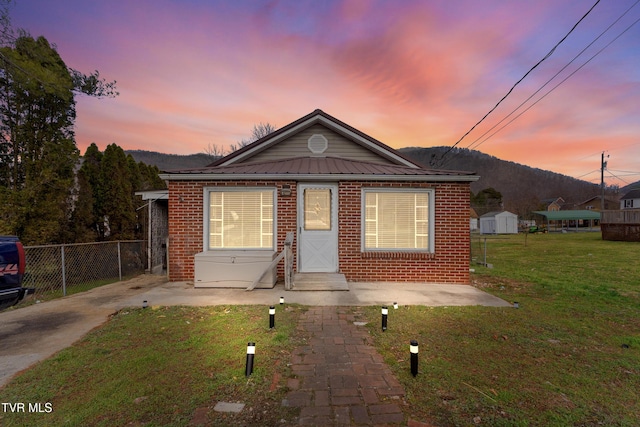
x=569, y=356
x=162, y=366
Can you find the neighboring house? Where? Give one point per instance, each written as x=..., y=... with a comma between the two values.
x=503, y=222
x=595, y=202
x=356, y=206
x=631, y=200
x=554, y=204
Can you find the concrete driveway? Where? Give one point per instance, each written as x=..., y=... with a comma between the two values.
x=34, y=333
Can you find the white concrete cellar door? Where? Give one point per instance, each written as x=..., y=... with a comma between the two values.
x=317, y=228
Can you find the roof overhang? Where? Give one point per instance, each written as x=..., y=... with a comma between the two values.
x=569, y=215
x=154, y=194
x=316, y=177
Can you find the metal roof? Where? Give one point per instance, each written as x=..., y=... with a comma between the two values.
x=496, y=213
x=318, y=168
x=568, y=215
x=633, y=194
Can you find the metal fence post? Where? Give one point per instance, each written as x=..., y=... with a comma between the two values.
x=64, y=272
x=119, y=262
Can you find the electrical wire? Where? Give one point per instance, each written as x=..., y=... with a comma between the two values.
x=562, y=81
x=521, y=79
x=472, y=146
x=617, y=177
x=626, y=173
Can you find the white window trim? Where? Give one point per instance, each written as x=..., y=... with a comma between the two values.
x=431, y=218
x=206, y=216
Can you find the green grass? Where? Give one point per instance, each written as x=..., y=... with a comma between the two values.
x=570, y=355
x=157, y=366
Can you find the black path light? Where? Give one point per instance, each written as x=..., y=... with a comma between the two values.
x=145, y=304
x=395, y=305
x=281, y=300
x=272, y=317
x=251, y=351
x=385, y=312
x=413, y=348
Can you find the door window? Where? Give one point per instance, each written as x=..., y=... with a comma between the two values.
x=317, y=209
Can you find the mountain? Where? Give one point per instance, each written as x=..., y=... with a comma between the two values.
x=166, y=162
x=523, y=188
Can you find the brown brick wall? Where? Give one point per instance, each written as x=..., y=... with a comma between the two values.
x=449, y=263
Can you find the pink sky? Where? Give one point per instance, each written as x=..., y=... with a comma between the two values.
x=409, y=73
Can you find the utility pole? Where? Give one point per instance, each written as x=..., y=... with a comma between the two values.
x=603, y=165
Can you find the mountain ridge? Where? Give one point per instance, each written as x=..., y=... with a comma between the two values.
x=523, y=188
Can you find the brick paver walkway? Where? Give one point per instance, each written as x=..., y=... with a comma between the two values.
x=340, y=379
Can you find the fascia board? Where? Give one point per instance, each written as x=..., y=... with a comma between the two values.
x=317, y=177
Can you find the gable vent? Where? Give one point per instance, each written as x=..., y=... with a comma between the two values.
x=317, y=144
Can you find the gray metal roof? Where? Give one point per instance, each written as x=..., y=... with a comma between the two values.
x=318, y=167
x=633, y=194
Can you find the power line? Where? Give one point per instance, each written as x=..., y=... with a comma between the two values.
x=626, y=173
x=521, y=79
x=561, y=82
x=617, y=177
x=471, y=146
x=588, y=173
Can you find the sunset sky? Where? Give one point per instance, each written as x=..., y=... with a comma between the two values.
x=409, y=73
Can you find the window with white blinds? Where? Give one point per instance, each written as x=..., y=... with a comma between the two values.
x=397, y=220
x=241, y=219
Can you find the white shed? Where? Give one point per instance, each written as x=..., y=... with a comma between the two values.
x=503, y=222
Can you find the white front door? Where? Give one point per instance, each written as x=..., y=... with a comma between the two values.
x=317, y=228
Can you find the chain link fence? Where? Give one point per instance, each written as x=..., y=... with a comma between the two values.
x=60, y=270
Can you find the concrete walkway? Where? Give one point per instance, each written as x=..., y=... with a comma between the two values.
x=359, y=294
x=340, y=377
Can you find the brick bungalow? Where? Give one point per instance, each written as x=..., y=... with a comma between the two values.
x=356, y=207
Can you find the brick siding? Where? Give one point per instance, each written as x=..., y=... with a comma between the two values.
x=449, y=263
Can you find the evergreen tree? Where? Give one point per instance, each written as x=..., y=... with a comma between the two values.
x=117, y=203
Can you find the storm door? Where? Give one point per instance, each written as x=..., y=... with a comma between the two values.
x=318, y=228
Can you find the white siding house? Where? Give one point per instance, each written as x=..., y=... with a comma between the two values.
x=631, y=200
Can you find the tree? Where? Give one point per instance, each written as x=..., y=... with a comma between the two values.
x=38, y=153
x=486, y=200
x=106, y=207
x=87, y=218
x=259, y=131
x=117, y=203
